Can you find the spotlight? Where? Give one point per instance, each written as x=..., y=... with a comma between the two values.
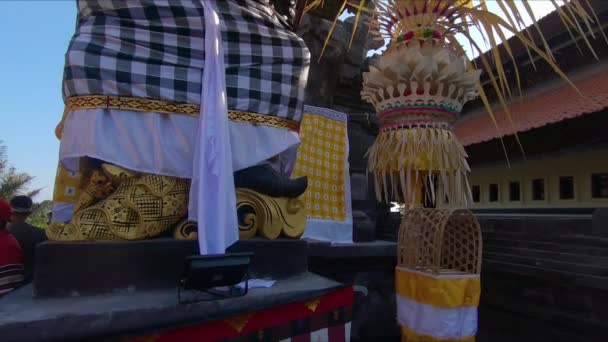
x=215, y=277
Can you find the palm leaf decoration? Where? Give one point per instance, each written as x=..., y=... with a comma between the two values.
x=455, y=19
x=421, y=82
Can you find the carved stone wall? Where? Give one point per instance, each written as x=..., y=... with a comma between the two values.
x=324, y=75
x=335, y=82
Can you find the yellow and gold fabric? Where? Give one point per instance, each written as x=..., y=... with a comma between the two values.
x=440, y=307
x=323, y=158
x=117, y=204
x=65, y=194
x=67, y=186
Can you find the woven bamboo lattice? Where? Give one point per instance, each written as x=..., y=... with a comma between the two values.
x=440, y=241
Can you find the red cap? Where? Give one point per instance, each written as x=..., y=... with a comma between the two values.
x=5, y=211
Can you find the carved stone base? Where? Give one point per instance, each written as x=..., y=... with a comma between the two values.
x=259, y=215
x=269, y=217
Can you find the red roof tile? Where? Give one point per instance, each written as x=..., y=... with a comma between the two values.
x=548, y=105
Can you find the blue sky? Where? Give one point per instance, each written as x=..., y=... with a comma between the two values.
x=34, y=37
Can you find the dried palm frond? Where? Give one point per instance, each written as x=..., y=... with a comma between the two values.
x=454, y=19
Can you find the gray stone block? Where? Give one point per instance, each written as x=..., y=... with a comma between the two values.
x=599, y=222
x=370, y=267
x=87, y=268
x=364, y=228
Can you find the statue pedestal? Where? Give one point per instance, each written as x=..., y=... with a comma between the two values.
x=67, y=269
x=155, y=315
x=128, y=291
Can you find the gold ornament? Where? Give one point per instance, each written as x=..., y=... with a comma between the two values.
x=269, y=216
x=141, y=207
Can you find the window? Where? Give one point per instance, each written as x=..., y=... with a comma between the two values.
x=514, y=192
x=493, y=195
x=599, y=185
x=538, y=189
x=476, y=193
x=566, y=187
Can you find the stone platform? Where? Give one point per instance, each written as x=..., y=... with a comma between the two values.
x=112, y=316
x=86, y=268
x=84, y=291
x=98, y=290
x=370, y=267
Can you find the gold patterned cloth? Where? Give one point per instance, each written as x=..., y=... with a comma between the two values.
x=323, y=157
x=116, y=204
x=136, y=104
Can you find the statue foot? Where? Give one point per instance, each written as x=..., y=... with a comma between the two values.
x=264, y=179
x=141, y=207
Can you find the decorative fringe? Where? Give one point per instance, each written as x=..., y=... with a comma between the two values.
x=406, y=160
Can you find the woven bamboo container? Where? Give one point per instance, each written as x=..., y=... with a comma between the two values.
x=440, y=241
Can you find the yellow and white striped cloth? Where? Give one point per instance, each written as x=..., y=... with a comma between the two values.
x=437, y=308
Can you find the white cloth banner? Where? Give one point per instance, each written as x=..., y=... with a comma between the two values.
x=212, y=193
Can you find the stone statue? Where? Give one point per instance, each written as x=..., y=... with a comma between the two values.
x=133, y=82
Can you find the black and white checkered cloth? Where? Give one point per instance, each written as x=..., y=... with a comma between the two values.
x=155, y=49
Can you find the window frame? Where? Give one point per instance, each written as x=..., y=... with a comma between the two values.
x=559, y=189
x=545, y=190
x=478, y=186
x=497, y=192
x=593, y=197
x=521, y=192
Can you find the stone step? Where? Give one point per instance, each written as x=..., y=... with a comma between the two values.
x=561, y=277
x=542, y=323
x=549, y=225
x=535, y=298
x=553, y=264
x=547, y=254
x=547, y=246
x=538, y=295
x=499, y=325
x=579, y=240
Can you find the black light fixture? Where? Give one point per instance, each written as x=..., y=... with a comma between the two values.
x=214, y=277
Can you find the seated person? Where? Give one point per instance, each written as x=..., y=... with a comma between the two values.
x=26, y=234
x=11, y=257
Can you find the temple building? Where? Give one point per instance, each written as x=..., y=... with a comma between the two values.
x=543, y=212
x=563, y=135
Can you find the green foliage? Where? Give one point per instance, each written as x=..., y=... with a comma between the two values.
x=13, y=183
x=39, y=217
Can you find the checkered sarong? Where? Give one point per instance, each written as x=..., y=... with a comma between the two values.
x=155, y=50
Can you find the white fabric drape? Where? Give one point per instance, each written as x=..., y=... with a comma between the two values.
x=62, y=212
x=212, y=194
x=161, y=144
